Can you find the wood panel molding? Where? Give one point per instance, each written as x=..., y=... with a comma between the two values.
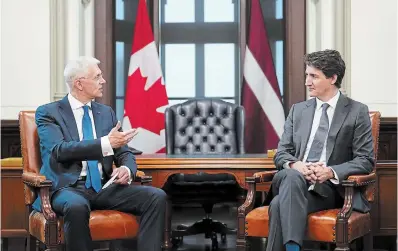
x=384, y=210
x=10, y=141
x=11, y=146
x=388, y=139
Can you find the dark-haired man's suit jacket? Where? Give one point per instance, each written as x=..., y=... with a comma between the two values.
x=349, y=147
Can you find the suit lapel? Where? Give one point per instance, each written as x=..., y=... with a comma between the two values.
x=306, y=124
x=340, y=114
x=97, y=119
x=67, y=115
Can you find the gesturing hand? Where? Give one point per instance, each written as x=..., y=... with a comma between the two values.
x=122, y=175
x=118, y=139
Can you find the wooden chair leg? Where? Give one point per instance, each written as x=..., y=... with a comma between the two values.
x=54, y=248
x=343, y=248
x=368, y=242
x=32, y=244
x=242, y=244
x=4, y=244
x=342, y=243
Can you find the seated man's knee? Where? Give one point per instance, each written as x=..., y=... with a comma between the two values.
x=274, y=203
x=291, y=175
x=158, y=195
x=76, y=208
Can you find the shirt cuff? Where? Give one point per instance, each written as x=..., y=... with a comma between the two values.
x=335, y=180
x=106, y=146
x=128, y=169
x=287, y=164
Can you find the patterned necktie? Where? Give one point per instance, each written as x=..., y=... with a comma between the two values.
x=320, y=136
x=93, y=178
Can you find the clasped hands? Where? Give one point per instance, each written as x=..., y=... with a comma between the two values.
x=314, y=172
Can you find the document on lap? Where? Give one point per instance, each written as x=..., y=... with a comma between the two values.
x=109, y=182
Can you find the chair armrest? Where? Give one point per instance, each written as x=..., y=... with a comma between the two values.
x=39, y=181
x=142, y=178
x=35, y=180
x=349, y=184
x=257, y=178
x=46, y=208
x=265, y=176
x=360, y=180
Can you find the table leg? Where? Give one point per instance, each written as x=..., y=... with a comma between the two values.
x=167, y=245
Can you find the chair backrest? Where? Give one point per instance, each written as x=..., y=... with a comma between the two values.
x=30, y=147
x=205, y=126
x=375, y=122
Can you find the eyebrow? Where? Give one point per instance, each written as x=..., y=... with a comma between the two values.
x=312, y=74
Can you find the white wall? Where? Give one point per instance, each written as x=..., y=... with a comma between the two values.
x=37, y=40
x=374, y=65
x=25, y=55
x=32, y=56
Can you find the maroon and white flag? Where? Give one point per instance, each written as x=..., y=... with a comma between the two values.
x=261, y=96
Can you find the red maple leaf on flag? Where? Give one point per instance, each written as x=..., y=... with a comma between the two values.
x=142, y=104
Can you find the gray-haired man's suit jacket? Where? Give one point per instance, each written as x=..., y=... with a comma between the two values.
x=349, y=147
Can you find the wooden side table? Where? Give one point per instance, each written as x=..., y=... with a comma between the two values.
x=13, y=217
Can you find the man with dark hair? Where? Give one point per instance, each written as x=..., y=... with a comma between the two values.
x=325, y=140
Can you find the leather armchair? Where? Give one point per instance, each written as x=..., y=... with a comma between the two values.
x=335, y=226
x=46, y=226
x=204, y=126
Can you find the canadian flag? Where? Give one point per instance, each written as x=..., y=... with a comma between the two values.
x=261, y=96
x=146, y=97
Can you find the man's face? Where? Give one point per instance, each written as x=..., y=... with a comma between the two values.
x=317, y=83
x=92, y=84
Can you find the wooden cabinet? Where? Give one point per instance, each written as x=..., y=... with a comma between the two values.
x=13, y=215
x=384, y=210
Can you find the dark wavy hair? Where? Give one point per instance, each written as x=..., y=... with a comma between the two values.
x=329, y=62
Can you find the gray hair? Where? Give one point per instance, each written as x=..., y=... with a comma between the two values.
x=77, y=68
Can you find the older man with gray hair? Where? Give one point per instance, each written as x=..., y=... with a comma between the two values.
x=80, y=140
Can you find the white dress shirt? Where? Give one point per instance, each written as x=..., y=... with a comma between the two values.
x=315, y=124
x=78, y=112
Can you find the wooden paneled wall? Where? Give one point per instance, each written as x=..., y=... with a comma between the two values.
x=11, y=144
x=384, y=210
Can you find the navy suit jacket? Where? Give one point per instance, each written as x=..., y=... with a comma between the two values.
x=61, y=150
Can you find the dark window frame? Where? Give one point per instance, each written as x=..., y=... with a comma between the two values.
x=294, y=49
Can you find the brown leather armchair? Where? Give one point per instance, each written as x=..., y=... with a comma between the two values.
x=46, y=226
x=337, y=226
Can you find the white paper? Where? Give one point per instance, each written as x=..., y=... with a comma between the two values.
x=109, y=182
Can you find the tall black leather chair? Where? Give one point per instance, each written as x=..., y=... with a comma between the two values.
x=205, y=127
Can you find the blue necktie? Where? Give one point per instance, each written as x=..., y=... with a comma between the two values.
x=93, y=178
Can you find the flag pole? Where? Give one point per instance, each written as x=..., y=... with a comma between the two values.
x=244, y=27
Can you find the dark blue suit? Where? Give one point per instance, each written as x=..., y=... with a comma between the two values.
x=62, y=154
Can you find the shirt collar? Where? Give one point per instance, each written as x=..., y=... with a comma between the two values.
x=76, y=104
x=332, y=102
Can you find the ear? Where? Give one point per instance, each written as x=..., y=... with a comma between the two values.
x=78, y=84
x=334, y=79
